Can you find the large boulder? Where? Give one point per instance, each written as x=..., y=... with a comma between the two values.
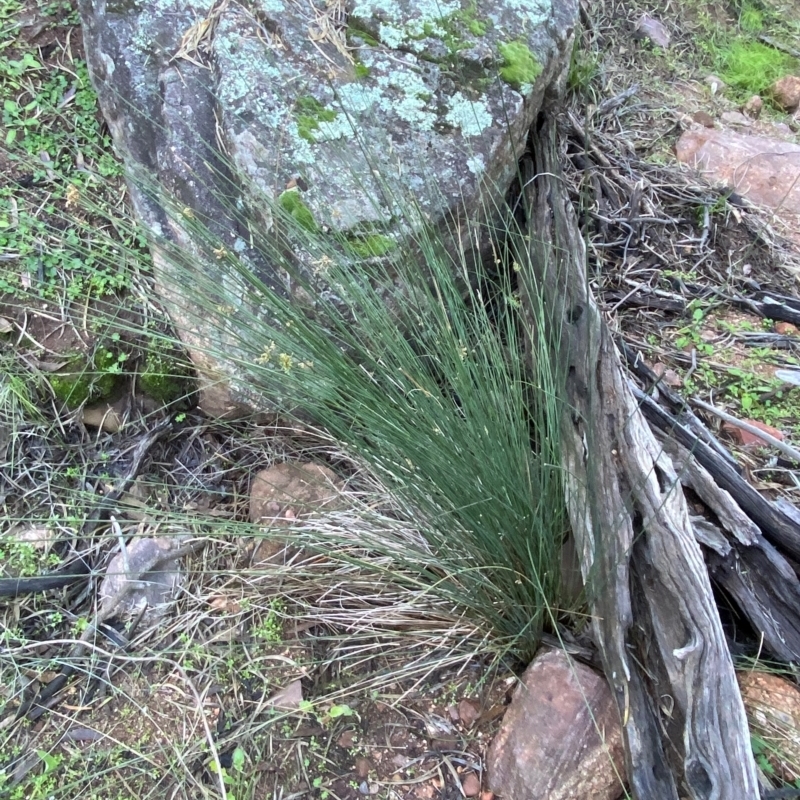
x=331, y=110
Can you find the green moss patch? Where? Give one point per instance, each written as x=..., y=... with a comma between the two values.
x=752, y=67
x=520, y=66
x=164, y=374
x=291, y=202
x=309, y=112
x=87, y=379
x=371, y=245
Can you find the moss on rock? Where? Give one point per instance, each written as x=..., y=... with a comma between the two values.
x=164, y=374
x=371, y=245
x=291, y=202
x=520, y=66
x=86, y=377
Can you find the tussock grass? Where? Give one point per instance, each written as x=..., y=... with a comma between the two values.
x=417, y=373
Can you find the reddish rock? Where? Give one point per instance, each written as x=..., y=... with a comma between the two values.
x=283, y=493
x=471, y=785
x=747, y=439
x=785, y=328
x=753, y=107
x=703, y=118
x=786, y=93
x=468, y=712
x=668, y=376
x=561, y=738
x=289, y=490
x=363, y=767
x=764, y=170
x=772, y=705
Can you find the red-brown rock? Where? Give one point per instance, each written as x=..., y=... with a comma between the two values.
x=764, y=170
x=289, y=490
x=471, y=785
x=772, y=705
x=703, y=118
x=747, y=439
x=285, y=492
x=561, y=738
x=786, y=92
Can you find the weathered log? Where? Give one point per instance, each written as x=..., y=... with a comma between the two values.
x=654, y=616
x=755, y=575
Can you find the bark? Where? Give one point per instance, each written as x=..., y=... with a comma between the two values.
x=654, y=615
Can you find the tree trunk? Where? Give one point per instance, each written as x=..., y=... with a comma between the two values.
x=654, y=616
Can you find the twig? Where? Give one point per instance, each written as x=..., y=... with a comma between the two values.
x=786, y=449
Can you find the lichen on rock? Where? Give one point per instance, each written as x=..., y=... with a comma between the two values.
x=337, y=112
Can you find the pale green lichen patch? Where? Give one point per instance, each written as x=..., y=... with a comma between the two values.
x=472, y=117
x=520, y=67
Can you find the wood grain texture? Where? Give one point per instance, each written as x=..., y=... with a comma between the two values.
x=654, y=615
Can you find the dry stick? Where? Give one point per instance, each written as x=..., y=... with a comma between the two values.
x=37, y=705
x=655, y=619
x=786, y=449
x=149, y=660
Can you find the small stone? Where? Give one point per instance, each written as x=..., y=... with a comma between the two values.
x=747, y=439
x=715, y=83
x=653, y=29
x=786, y=93
x=103, y=416
x=735, y=118
x=703, y=118
x=668, y=376
x=753, y=107
x=347, y=739
x=468, y=712
x=363, y=767
x=785, y=328
x=471, y=785
x=289, y=698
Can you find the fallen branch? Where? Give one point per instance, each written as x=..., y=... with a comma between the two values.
x=655, y=619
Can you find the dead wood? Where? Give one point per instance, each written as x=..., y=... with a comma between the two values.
x=655, y=620
x=776, y=525
x=753, y=573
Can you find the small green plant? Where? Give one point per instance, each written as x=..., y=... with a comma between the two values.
x=271, y=627
x=40, y=786
x=232, y=779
